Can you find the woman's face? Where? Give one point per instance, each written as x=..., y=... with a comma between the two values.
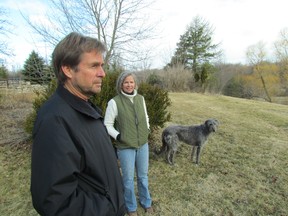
x=128, y=85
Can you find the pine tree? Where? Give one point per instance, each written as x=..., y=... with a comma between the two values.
x=3, y=72
x=35, y=69
x=195, y=49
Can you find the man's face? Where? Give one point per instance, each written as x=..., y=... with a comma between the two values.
x=87, y=80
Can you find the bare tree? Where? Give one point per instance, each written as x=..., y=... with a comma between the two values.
x=281, y=46
x=120, y=24
x=256, y=55
x=281, y=53
x=4, y=33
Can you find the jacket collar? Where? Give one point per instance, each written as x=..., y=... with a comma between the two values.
x=85, y=107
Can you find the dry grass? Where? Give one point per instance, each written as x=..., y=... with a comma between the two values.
x=15, y=181
x=244, y=169
x=14, y=153
x=14, y=106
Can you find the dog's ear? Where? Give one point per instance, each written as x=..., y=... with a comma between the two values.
x=216, y=121
x=212, y=121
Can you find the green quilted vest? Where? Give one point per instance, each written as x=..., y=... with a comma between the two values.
x=131, y=122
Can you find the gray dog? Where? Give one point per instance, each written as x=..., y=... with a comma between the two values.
x=195, y=135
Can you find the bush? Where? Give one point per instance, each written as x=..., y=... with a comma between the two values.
x=108, y=91
x=234, y=88
x=41, y=97
x=156, y=99
x=157, y=102
x=154, y=79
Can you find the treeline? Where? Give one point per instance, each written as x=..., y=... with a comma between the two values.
x=266, y=81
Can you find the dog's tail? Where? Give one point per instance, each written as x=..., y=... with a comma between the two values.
x=163, y=147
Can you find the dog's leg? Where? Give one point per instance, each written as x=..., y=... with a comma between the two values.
x=198, y=154
x=193, y=152
x=169, y=156
x=163, y=147
x=172, y=156
x=174, y=148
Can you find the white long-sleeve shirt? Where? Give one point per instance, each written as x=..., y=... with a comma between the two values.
x=112, y=113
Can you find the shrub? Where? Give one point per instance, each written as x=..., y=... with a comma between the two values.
x=234, y=88
x=154, y=79
x=108, y=90
x=41, y=97
x=157, y=102
x=156, y=99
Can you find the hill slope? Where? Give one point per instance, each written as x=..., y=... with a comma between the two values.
x=243, y=170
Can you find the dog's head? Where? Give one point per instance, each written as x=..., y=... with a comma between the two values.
x=212, y=124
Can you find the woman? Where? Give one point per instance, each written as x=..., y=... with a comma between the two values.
x=127, y=122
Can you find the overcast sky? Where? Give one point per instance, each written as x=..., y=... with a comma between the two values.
x=237, y=23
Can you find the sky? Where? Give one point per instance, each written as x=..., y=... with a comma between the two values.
x=237, y=25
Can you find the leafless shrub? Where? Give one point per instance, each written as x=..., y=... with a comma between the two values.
x=177, y=79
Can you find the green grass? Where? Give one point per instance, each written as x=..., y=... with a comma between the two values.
x=243, y=170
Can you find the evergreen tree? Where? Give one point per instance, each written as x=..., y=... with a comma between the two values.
x=196, y=49
x=3, y=72
x=35, y=69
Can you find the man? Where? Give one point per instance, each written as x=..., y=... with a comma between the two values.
x=74, y=166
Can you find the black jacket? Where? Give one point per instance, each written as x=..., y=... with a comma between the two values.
x=74, y=166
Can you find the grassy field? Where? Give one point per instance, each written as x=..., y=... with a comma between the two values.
x=243, y=170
